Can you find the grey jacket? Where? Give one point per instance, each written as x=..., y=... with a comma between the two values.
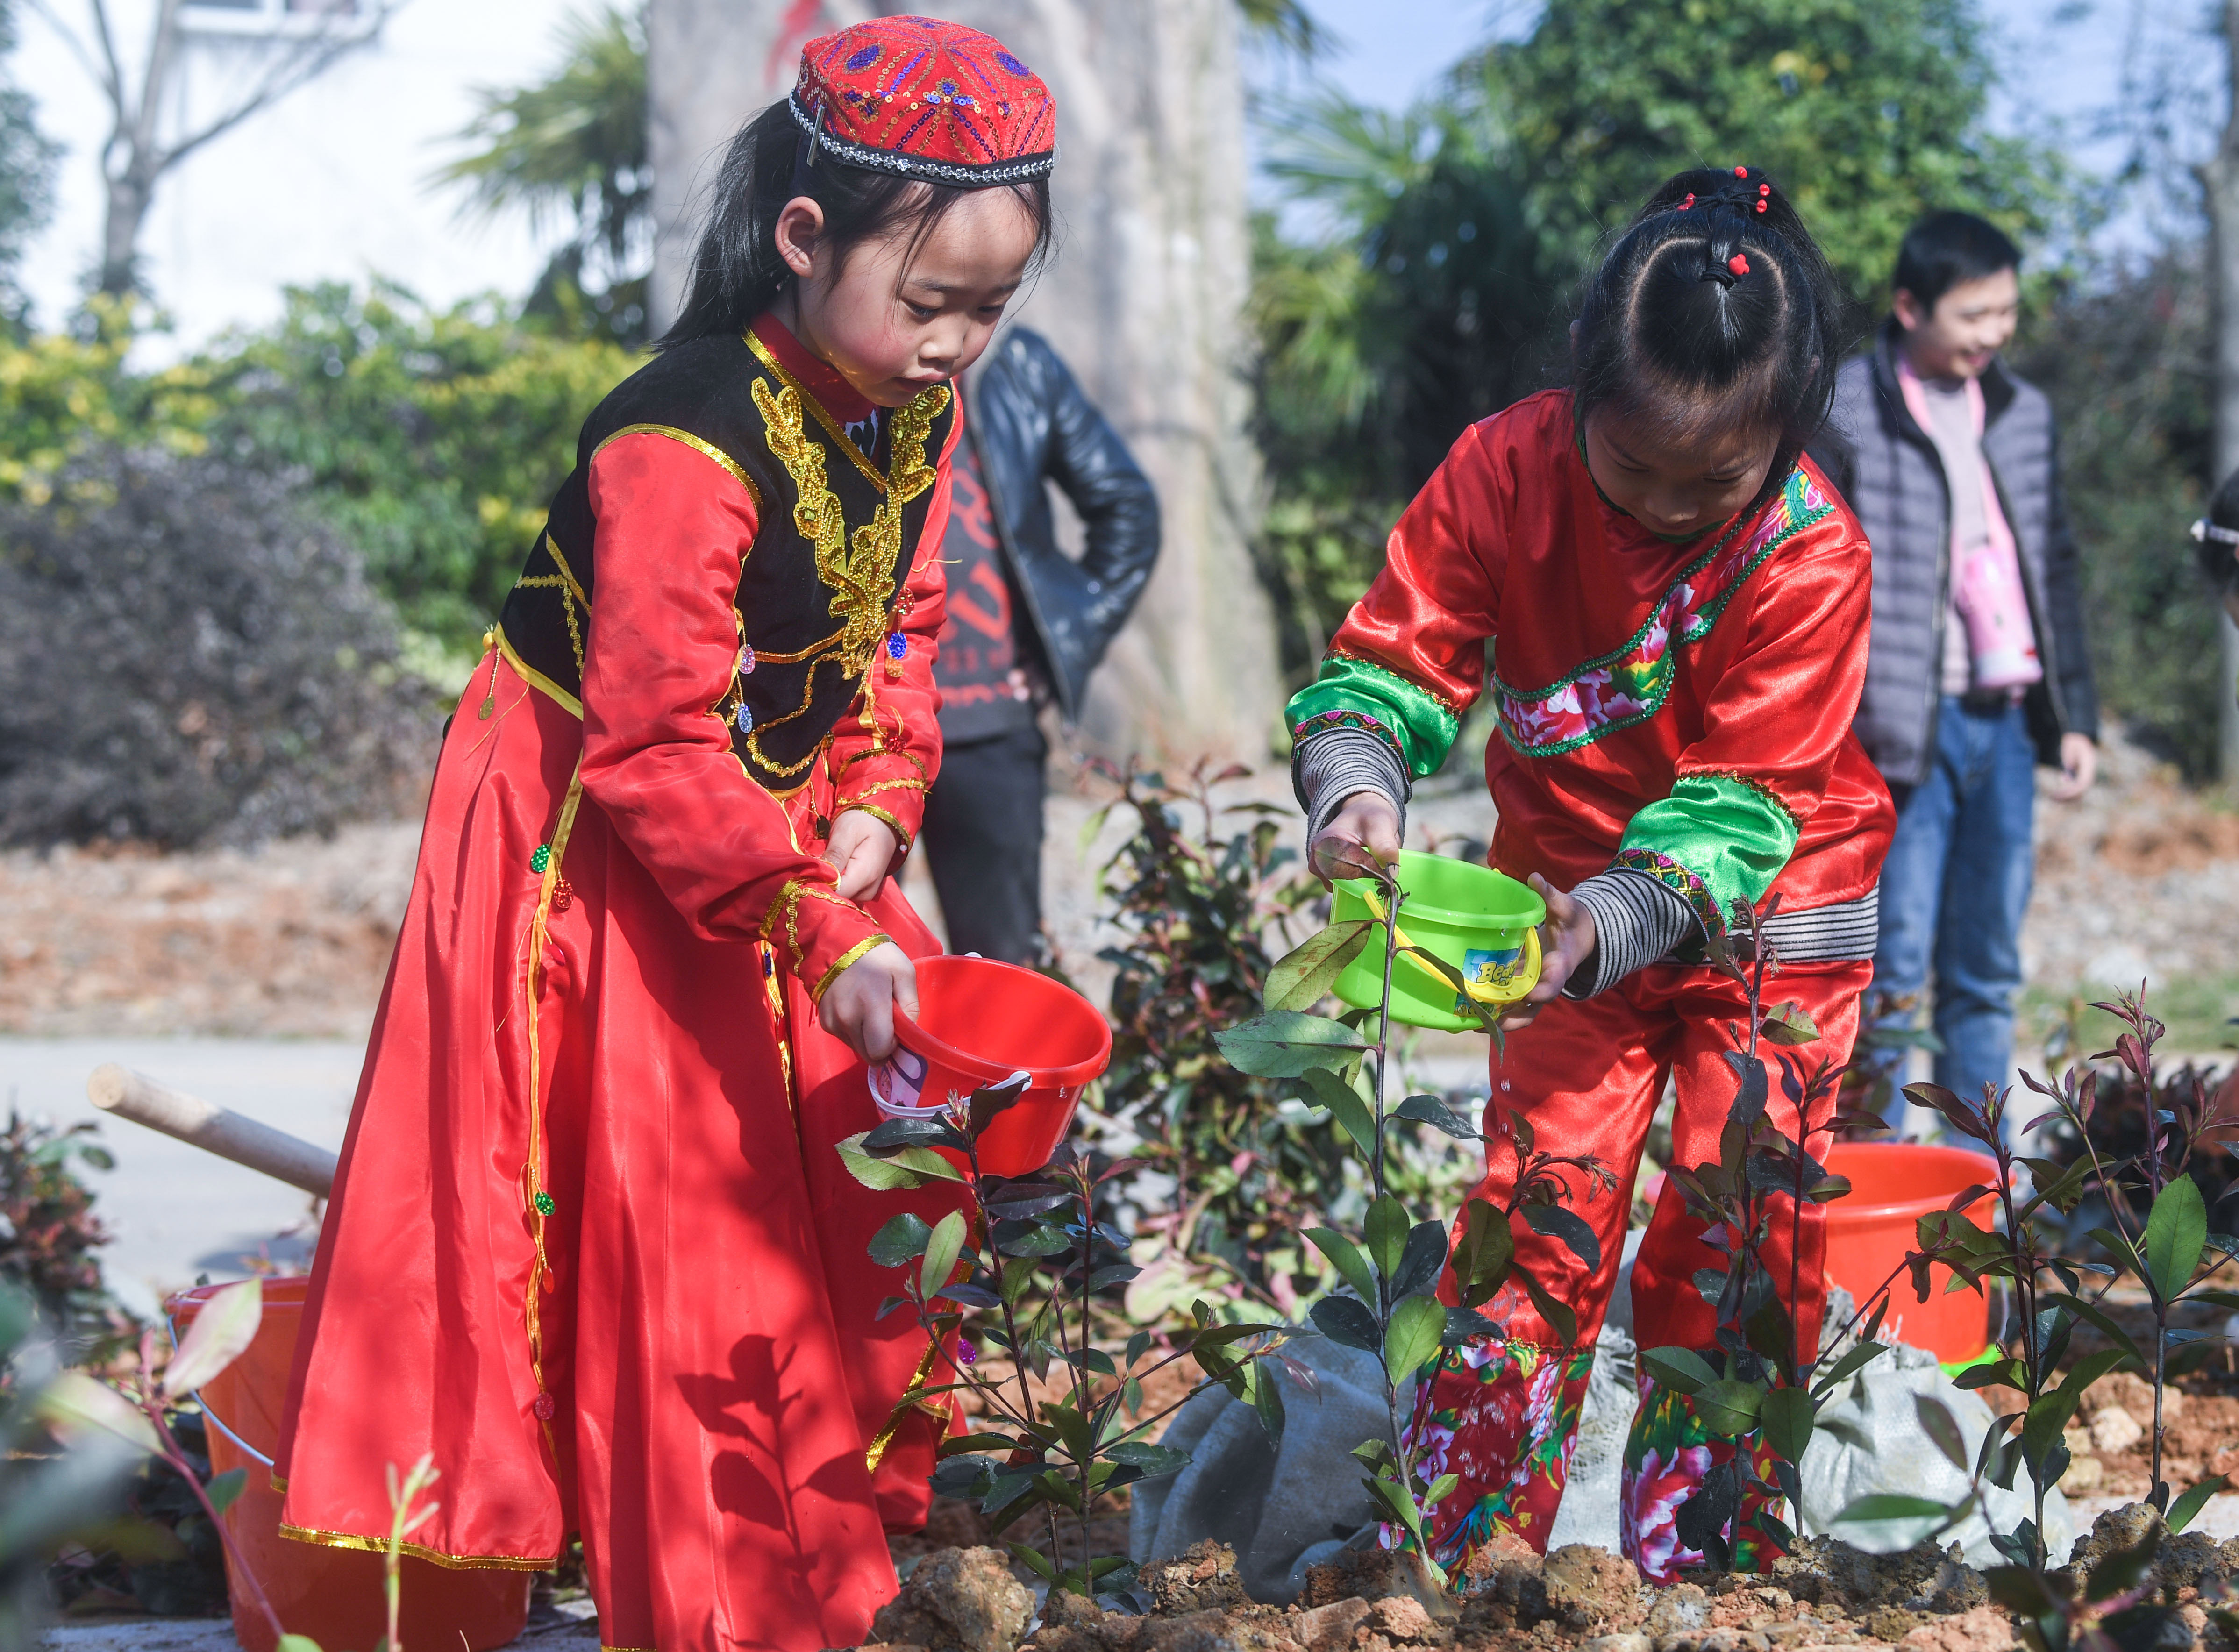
x=1889, y=471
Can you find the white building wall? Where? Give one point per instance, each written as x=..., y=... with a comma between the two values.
x=329, y=183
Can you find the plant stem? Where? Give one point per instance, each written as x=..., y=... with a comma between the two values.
x=177, y=1458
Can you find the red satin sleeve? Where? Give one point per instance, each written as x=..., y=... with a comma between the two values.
x=887, y=750
x=1429, y=611
x=674, y=527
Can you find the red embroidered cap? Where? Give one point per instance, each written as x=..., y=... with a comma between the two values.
x=927, y=99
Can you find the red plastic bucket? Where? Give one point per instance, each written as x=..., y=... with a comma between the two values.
x=979, y=1022
x=1893, y=1185
x=332, y=1594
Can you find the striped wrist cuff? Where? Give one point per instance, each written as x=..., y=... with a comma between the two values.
x=1337, y=763
x=1638, y=921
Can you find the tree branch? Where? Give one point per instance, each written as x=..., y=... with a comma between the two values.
x=296, y=69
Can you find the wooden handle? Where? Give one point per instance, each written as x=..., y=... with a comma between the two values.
x=214, y=1129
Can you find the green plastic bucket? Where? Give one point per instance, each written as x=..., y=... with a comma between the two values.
x=1469, y=916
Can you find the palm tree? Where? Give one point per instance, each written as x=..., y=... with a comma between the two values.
x=570, y=151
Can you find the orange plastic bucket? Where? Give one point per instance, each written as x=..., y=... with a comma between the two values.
x=332, y=1594
x=979, y=1022
x=1893, y=1185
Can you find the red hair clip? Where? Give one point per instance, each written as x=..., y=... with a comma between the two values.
x=1741, y=172
x=1738, y=264
x=1688, y=202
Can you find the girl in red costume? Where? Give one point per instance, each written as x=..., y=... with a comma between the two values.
x=1676, y=602
x=590, y=1246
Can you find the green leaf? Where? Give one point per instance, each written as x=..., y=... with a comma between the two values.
x=1681, y=1370
x=1412, y=1338
x=1559, y=1314
x=898, y=1171
x=1937, y=1422
x=1039, y=1565
x=296, y=1644
x=1786, y=1416
x=1386, y=1229
x=1890, y=1505
x=1730, y=1407
x=1303, y=977
x=75, y=1404
x=901, y=1240
x=2175, y=1234
x=2113, y=1332
x=1286, y=1043
x=1553, y=1222
x=1152, y=1460
x=1344, y=1103
x=1345, y=1256
x=1789, y=1025
x=223, y=1490
x=2182, y=1510
x=1430, y=1109
x=1439, y=1489
x=223, y=1328
x=1343, y=1320
x=1857, y=1359
x=941, y=1250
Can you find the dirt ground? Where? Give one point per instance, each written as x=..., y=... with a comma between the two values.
x=2142, y=879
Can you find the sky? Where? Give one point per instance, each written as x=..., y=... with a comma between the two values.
x=333, y=184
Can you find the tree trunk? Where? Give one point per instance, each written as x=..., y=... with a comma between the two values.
x=1144, y=299
x=2219, y=180
x=125, y=211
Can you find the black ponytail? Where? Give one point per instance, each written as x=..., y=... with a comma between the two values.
x=736, y=272
x=1714, y=308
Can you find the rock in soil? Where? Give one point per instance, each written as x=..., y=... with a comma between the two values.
x=958, y=1600
x=1201, y=1578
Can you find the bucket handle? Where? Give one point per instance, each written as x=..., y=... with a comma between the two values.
x=171, y=1326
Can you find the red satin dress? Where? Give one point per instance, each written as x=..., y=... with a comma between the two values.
x=1681, y=710
x=590, y=1246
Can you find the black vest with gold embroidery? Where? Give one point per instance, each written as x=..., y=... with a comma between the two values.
x=817, y=593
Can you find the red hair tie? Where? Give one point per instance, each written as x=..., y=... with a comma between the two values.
x=1741, y=172
x=1738, y=264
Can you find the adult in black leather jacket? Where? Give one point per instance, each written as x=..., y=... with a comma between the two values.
x=1027, y=625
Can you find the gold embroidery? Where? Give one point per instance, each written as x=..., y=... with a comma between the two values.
x=832, y=427
x=532, y=1172
x=380, y=1546
x=858, y=568
x=738, y=471
x=855, y=954
x=901, y=832
x=536, y=679
x=910, y=1395
x=877, y=786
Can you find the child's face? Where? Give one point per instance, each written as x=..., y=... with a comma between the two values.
x=1675, y=486
x=893, y=321
x=1963, y=334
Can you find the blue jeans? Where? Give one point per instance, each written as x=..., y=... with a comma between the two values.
x=1954, y=889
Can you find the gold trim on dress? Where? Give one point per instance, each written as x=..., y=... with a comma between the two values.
x=698, y=444
x=899, y=831
x=855, y=954
x=569, y=703
x=418, y=1551
x=873, y=1458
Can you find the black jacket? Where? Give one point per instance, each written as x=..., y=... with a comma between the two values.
x=1888, y=469
x=1028, y=421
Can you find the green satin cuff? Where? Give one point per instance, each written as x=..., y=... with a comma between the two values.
x=1715, y=839
x=1353, y=693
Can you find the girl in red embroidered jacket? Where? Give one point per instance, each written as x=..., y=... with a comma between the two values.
x=590, y=1246
x=1676, y=604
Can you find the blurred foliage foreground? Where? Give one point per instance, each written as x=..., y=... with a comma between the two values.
x=234, y=591
x=1424, y=276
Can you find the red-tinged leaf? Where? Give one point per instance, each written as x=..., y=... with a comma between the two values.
x=1966, y=1197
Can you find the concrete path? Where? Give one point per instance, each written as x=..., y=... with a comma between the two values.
x=175, y=1211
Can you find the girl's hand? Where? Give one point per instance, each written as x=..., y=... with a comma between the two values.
x=1367, y=827
x=859, y=1008
x=1567, y=939
x=2079, y=766
x=860, y=849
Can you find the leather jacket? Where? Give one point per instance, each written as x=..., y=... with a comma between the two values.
x=1028, y=421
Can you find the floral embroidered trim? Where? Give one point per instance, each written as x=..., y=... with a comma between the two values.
x=900, y=832
x=1630, y=685
x=1748, y=781
x=1680, y=881
x=1343, y=716
x=854, y=954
